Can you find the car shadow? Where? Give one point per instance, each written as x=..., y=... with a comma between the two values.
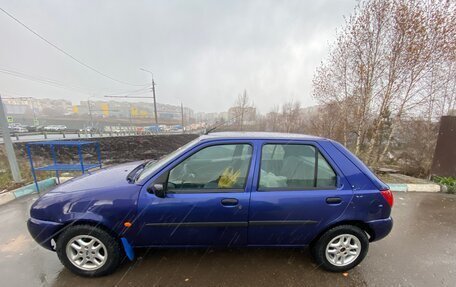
x=217, y=267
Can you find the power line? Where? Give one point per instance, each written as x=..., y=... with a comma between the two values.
x=56, y=83
x=45, y=81
x=127, y=97
x=66, y=53
x=128, y=93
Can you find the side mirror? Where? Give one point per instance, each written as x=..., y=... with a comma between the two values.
x=158, y=190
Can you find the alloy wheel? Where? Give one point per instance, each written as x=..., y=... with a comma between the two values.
x=343, y=249
x=86, y=252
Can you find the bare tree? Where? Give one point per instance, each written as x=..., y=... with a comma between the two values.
x=291, y=116
x=272, y=119
x=392, y=60
x=243, y=108
x=416, y=44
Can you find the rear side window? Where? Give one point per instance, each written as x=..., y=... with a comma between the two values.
x=325, y=173
x=295, y=167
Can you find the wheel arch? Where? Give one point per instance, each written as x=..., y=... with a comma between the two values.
x=86, y=222
x=358, y=223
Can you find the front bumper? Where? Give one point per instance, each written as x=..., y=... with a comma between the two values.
x=43, y=231
x=380, y=228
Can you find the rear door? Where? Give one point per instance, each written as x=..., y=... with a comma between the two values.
x=206, y=202
x=297, y=189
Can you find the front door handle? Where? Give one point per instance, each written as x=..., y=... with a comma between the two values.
x=230, y=202
x=333, y=200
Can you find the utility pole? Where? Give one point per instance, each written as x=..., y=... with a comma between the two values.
x=153, y=94
x=131, y=123
x=35, y=121
x=182, y=117
x=9, y=145
x=90, y=112
x=155, y=100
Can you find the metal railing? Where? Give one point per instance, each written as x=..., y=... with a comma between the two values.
x=51, y=135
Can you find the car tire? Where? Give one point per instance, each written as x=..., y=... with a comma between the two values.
x=89, y=251
x=345, y=240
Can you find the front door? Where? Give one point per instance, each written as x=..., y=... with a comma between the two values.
x=206, y=200
x=296, y=190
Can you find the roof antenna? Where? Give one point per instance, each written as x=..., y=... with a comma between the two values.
x=221, y=124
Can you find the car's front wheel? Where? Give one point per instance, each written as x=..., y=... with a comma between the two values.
x=88, y=251
x=341, y=248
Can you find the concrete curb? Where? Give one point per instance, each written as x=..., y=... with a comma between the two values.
x=44, y=185
x=415, y=187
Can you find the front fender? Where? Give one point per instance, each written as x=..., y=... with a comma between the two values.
x=44, y=231
x=55, y=211
x=114, y=225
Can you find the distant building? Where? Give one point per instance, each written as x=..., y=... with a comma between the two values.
x=28, y=106
x=16, y=109
x=25, y=107
x=210, y=118
x=137, y=110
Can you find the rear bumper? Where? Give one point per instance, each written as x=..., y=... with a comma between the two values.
x=43, y=231
x=381, y=228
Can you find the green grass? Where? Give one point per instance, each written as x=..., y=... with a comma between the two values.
x=6, y=179
x=449, y=182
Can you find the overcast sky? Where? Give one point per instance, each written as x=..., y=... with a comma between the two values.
x=203, y=53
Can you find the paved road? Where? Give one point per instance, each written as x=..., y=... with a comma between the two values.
x=420, y=251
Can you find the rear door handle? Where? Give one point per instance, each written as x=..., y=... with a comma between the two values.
x=230, y=202
x=333, y=200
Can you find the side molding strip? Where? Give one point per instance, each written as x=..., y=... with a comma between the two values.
x=281, y=222
x=199, y=224
x=231, y=223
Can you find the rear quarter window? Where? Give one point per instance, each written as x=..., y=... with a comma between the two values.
x=294, y=166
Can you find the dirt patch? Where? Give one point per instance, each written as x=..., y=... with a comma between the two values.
x=15, y=245
x=401, y=178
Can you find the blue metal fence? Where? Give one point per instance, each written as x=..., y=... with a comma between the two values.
x=56, y=165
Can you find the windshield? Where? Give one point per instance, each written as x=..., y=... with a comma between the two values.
x=153, y=166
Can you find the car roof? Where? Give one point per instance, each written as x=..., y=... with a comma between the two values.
x=259, y=135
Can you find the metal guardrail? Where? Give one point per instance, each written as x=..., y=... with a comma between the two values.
x=39, y=136
x=64, y=134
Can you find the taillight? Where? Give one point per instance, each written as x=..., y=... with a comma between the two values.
x=388, y=195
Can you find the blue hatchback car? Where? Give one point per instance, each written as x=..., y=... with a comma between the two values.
x=222, y=189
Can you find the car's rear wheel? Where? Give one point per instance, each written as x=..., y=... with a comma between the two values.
x=341, y=248
x=88, y=250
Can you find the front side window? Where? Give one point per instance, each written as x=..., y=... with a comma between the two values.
x=212, y=168
x=294, y=166
x=153, y=166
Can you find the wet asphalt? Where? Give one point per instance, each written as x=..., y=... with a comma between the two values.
x=420, y=251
